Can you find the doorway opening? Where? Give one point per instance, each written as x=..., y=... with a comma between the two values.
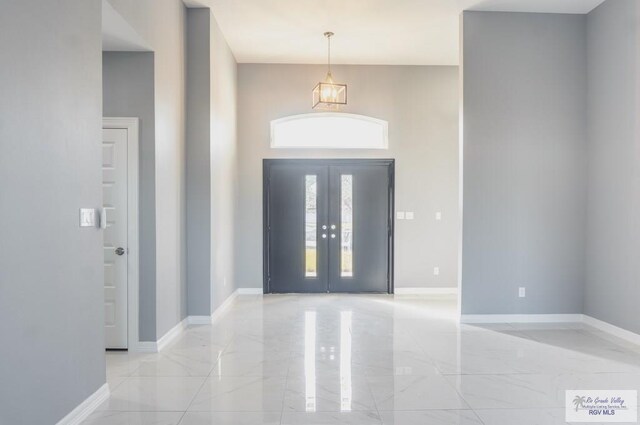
x=328, y=225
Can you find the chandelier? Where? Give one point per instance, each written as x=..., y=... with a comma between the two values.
x=327, y=94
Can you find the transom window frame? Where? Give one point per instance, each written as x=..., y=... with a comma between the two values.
x=381, y=124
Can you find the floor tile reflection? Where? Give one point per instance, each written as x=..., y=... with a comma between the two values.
x=362, y=360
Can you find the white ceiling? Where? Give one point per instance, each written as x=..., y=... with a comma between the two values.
x=117, y=34
x=398, y=32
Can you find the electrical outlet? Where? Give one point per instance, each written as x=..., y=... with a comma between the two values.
x=438, y=216
x=522, y=292
x=436, y=271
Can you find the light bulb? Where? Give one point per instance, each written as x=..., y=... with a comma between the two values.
x=326, y=93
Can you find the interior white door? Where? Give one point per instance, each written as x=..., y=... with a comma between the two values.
x=114, y=189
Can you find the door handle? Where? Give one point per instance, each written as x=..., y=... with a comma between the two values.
x=119, y=250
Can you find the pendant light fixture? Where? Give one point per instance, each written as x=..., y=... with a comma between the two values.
x=327, y=94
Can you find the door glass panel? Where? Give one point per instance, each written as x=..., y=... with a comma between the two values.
x=311, y=226
x=346, y=225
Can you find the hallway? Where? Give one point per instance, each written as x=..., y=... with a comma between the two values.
x=360, y=360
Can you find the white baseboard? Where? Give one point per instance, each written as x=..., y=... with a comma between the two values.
x=249, y=291
x=86, y=408
x=156, y=346
x=613, y=330
x=145, y=347
x=222, y=308
x=425, y=291
x=172, y=334
x=198, y=320
x=616, y=331
x=520, y=318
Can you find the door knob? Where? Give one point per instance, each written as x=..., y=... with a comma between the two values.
x=119, y=250
x=333, y=227
x=324, y=227
x=324, y=236
x=333, y=236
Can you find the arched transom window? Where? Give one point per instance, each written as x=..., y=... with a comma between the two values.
x=329, y=130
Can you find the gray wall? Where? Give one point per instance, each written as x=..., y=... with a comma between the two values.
x=224, y=160
x=421, y=106
x=612, y=288
x=211, y=163
x=127, y=83
x=198, y=162
x=524, y=220
x=162, y=25
x=51, y=282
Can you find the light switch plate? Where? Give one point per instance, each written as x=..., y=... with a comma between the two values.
x=87, y=217
x=409, y=215
x=400, y=215
x=436, y=271
x=438, y=216
x=522, y=292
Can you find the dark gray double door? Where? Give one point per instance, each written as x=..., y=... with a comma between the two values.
x=328, y=225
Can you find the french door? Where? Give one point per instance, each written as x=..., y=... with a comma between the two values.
x=328, y=226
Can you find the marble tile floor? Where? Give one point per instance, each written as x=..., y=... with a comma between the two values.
x=362, y=360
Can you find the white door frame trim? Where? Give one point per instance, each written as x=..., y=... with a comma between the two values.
x=132, y=126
